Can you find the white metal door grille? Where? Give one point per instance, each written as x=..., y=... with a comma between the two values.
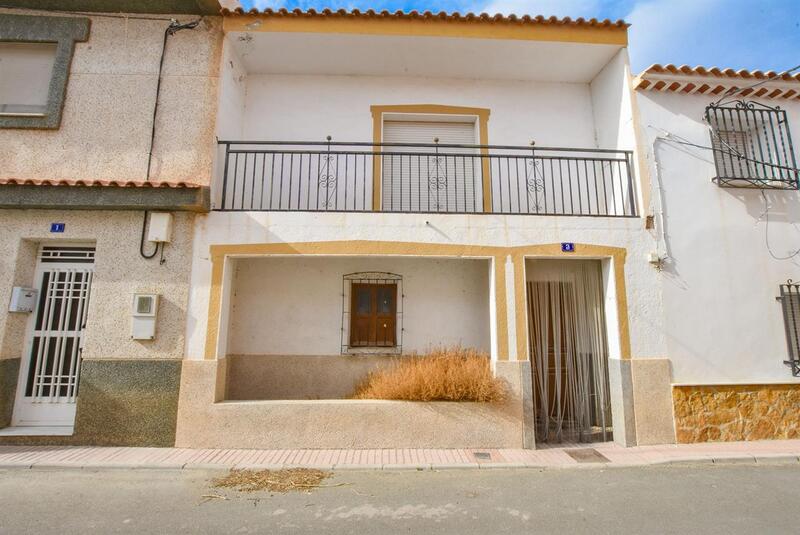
x=57, y=336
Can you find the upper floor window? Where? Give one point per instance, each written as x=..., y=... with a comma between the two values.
x=25, y=73
x=752, y=146
x=35, y=56
x=428, y=165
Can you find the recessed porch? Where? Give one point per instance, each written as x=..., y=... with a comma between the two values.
x=293, y=346
x=314, y=327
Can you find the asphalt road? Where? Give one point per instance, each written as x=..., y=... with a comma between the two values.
x=664, y=499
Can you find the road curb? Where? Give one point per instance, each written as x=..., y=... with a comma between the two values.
x=761, y=459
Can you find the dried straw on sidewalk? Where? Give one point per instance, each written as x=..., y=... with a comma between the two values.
x=293, y=479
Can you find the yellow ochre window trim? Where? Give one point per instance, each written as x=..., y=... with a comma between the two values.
x=482, y=115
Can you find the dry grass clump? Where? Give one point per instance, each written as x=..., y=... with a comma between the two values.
x=442, y=374
x=298, y=479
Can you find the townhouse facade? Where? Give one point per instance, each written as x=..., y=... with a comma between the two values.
x=332, y=191
x=391, y=182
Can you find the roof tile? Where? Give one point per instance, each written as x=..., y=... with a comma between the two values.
x=658, y=78
x=427, y=15
x=92, y=182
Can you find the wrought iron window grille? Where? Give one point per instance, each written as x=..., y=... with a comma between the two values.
x=370, y=277
x=752, y=146
x=790, y=302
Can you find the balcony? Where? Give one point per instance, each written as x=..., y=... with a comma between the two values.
x=434, y=177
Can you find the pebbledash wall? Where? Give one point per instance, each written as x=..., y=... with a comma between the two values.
x=730, y=382
x=128, y=389
x=107, y=118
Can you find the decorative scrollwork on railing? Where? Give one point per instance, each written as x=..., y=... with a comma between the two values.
x=437, y=182
x=534, y=182
x=327, y=180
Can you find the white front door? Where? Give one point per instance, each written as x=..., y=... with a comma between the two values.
x=48, y=379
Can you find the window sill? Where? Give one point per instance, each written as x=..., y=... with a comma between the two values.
x=21, y=114
x=37, y=431
x=385, y=351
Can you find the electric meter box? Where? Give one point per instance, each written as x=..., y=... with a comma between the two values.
x=22, y=299
x=145, y=311
x=160, y=229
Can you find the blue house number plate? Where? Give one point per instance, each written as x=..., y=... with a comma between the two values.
x=57, y=227
x=567, y=247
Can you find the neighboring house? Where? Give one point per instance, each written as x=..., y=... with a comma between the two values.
x=83, y=167
x=725, y=181
x=388, y=182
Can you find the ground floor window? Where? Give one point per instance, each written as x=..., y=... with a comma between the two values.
x=790, y=301
x=372, y=311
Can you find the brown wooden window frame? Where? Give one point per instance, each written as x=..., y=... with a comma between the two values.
x=378, y=326
x=377, y=331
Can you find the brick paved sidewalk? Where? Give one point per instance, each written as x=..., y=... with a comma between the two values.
x=603, y=454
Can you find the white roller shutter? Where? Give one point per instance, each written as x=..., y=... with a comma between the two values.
x=416, y=179
x=427, y=131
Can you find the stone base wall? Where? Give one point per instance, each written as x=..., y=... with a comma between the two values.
x=9, y=371
x=128, y=402
x=736, y=412
x=121, y=402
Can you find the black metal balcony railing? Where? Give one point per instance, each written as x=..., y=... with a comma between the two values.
x=426, y=178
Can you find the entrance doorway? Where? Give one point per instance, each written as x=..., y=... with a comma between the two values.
x=569, y=351
x=50, y=369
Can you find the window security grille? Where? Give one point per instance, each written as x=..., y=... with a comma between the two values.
x=790, y=301
x=752, y=146
x=375, y=279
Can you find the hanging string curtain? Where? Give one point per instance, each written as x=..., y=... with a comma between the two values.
x=569, y=351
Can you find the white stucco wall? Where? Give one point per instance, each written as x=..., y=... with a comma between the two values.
x=308, y=108
x=293, y=306
x=232, y=86
x=611, y=104
x=722, y=322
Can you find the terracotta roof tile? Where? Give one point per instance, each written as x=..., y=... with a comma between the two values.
x=428, y=15
x=715, y=80
x=101, y=183
x=718, y=72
